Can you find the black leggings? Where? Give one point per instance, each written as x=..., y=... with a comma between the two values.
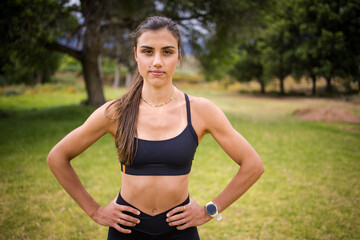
x=152, y=227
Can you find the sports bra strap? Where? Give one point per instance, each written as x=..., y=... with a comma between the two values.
x=188, y=113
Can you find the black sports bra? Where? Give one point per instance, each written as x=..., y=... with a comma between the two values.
x=165, y=157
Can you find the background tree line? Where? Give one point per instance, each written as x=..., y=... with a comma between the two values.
x=262, y=40
x=302, y=38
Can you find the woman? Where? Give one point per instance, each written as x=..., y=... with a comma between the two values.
x=156, y=129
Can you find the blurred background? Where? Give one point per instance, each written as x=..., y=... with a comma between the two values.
x=285, y=72
x=311, y=46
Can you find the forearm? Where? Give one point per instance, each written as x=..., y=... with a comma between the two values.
x=69, y=180
x=195, y=215
x=247, y=175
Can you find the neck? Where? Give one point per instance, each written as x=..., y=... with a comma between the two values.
x=157, y=95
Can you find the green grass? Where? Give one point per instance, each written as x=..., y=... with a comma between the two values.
x=310, y=190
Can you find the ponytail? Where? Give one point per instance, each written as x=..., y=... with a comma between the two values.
x=127, y=111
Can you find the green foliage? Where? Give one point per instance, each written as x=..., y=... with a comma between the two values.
x=230, y=21
x=69, y=64
x=329, y=44
x=300, y=38
x=108, y=66
x=26, y=29
x=248, y=65
x=36, y=67
x=279, y=43
x=216, y=65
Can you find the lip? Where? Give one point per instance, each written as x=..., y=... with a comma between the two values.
x=157, y=73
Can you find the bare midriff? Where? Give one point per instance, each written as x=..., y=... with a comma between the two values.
x=154, y=194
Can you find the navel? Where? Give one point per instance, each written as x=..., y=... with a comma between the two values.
x=154, y=211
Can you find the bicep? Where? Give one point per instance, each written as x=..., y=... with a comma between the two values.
x=233, y=143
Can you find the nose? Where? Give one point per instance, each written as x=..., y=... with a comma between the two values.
x=157, y=62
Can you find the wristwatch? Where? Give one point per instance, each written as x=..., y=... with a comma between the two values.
x=212, y=210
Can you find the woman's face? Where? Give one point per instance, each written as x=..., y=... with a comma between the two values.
x=157, y=55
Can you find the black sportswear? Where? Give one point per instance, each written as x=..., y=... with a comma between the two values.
x=169, y=157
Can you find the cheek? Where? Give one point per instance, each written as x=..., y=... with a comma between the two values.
x=143, y=64
x=174, y=63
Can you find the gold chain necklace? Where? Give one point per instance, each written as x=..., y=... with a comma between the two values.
x=161, y=104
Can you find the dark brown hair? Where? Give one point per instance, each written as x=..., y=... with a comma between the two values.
x=127, y=107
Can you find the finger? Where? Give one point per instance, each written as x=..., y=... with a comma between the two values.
x=185, y=226
x=178, y=222
x=120, y=229
x=124, y=208
x=125, y=223
x=176, y=217
x=129, y=218
x=175, y=210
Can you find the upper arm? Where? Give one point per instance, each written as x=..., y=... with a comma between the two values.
x=214, y=121
x=85, y=135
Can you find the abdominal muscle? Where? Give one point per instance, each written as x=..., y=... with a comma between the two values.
x=154, y=194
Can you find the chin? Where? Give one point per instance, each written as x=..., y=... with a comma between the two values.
x=158, y=82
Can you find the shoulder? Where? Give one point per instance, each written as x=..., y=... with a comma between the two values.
x=206, y=113
x=105, y=111
x=110, y=110
x=203, y=107
x=103, y=117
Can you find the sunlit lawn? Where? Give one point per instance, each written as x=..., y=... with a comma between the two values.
x=310, y=190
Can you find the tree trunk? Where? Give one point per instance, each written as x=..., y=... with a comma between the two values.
x=328, y=85
x=282, y=91
x=117, y=62
x=89, y=60
x=100, y=67
x=93, y=82
x=313, y=78
x=117, y=75
x=91, y=54
x=262, y=86
x=37, y=79
x=128, y=79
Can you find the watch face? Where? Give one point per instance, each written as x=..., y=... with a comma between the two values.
x=211, y=209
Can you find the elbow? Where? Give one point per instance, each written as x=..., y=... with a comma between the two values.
x=54, y=159
x=50, y=159
x=260, y=169
x=257, y=167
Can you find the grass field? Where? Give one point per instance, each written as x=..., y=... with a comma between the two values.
x=310, y=190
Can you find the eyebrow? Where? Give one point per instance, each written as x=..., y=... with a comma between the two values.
x=161, y=48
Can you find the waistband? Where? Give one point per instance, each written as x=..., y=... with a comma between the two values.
x=153, y=225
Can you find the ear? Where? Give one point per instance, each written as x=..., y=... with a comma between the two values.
x=135, y=55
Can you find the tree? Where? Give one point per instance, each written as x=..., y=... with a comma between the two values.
x=329, y=39
x=278, y=54
x=33, y=68
x=95, y=19
x=305, y=38
x=349, y=13
x=250, y=44
x=307, y=53
x=248, y=66
x=232, y=22
x=22, y=60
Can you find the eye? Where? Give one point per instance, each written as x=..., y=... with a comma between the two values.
x=167, y=52
x=147, y=51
